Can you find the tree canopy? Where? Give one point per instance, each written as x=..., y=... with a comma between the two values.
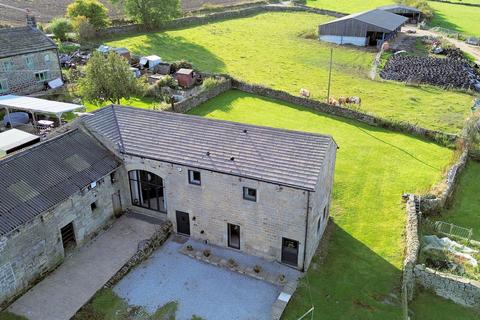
x=108, y=78
x=151, y=13
x=93, y=10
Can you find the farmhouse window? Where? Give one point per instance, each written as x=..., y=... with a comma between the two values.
x=47, y=58
x=30, y=62
x=147, y=190
x=194, y=177
x=41, y=76
x=6, y=65
x=3, y=85
x=93, y=206
x=249, y=194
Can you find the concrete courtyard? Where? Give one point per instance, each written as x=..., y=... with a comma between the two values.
x=199, y=289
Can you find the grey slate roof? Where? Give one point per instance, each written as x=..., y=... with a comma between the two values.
x=278, y=156
x=45, y=175
x=379, y=18
x=23, y=40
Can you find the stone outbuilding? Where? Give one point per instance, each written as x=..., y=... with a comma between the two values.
x=28, y=60
x=362, y=29
x=260, y=190
x=54, y=196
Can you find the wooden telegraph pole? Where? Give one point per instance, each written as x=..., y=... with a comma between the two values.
x=330, y=74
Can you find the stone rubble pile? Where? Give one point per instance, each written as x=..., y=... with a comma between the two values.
x=450, y=72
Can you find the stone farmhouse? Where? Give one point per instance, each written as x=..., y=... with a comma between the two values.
x=28, y=60
x=260, y=190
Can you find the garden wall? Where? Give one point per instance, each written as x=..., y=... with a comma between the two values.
x=412, y=248
x=217, y=16
x=458, y=289
x=186, y=105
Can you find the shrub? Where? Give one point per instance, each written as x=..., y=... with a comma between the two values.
x=209, y=83
x=151, y=13
x=174, y=67
x=83, y=28
x=60, y=27
x=93, y=10
x=257, y=268
x=167, y=81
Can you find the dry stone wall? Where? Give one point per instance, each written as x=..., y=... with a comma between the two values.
x=458, y=289
x=217, y=16
x=412, y=248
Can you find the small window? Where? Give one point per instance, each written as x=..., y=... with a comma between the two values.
x=6, y=65
x=113, y=179
x=30, y=62
x=325, y=213
x=194, y=177
x=249, y=194
x=3, y=86
x=47, y=58
x=319, y=223
x=41, y=76
x=93, y=206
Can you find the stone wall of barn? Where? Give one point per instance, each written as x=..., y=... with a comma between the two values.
x=28, y=253
x=278, y=212
x=319, y=203
x=21, y=78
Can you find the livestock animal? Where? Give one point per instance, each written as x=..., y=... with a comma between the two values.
x=305, y=93
x=333, y=101
x=342, y=101
x=354, y=100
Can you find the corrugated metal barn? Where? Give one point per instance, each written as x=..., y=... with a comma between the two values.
x=362, y=29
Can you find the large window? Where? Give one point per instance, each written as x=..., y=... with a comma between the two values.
x=147, y=190
x=30, y=62
x=3, y=85
x=6, y=65
x=41, y=76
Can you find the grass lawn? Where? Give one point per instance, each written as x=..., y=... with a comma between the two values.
x=462, y=19
x=348, y=6
x=374, y=167
x=465, y=208
x=269, y=49
x=143, y=103
x=428, y=306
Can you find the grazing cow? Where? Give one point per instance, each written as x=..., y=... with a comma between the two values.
x=305, y=93
x=354, y=100
x=342, y=101
x=333, y=101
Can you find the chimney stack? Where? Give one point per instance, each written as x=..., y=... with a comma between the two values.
x=31, y=21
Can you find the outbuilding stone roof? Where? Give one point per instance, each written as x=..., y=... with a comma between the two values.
x=289, y=158
x=38, y=178
x=23, y=40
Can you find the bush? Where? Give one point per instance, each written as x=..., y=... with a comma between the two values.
x=60, y=27
x=174, y=67
x=209, y=83
x=151, y=13
x=167, y=81
x=83, y=28
x=93, y=10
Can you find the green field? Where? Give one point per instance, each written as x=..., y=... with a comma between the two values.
x=428, y=306
x=465, y=208
x=374, y=167
x=462, y=19
x=269, y=49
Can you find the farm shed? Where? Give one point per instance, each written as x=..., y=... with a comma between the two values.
x=185, y=77
x=361, y=29
x=413, y=14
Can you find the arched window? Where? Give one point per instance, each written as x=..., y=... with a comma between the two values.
x=147, y=190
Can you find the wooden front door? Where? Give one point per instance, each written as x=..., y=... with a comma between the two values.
x=117, y=204
x=183, y=223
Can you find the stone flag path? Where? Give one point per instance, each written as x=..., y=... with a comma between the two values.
x=73, y=283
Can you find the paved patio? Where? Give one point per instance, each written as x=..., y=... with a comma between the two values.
x=199, y=288
x=70, y=286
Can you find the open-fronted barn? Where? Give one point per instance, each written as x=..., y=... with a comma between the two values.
x=412, y=14
x=361, y=29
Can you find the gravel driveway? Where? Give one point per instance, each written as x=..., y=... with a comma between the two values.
x=200, y=289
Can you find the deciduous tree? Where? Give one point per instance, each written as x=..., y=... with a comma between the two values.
x=93, y=10
x=151, y=13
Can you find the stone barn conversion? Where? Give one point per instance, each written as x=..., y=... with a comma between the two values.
x=412, y=14
x=53, y=197
x=362, y=29
x=262, y=191
x=28, y=60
